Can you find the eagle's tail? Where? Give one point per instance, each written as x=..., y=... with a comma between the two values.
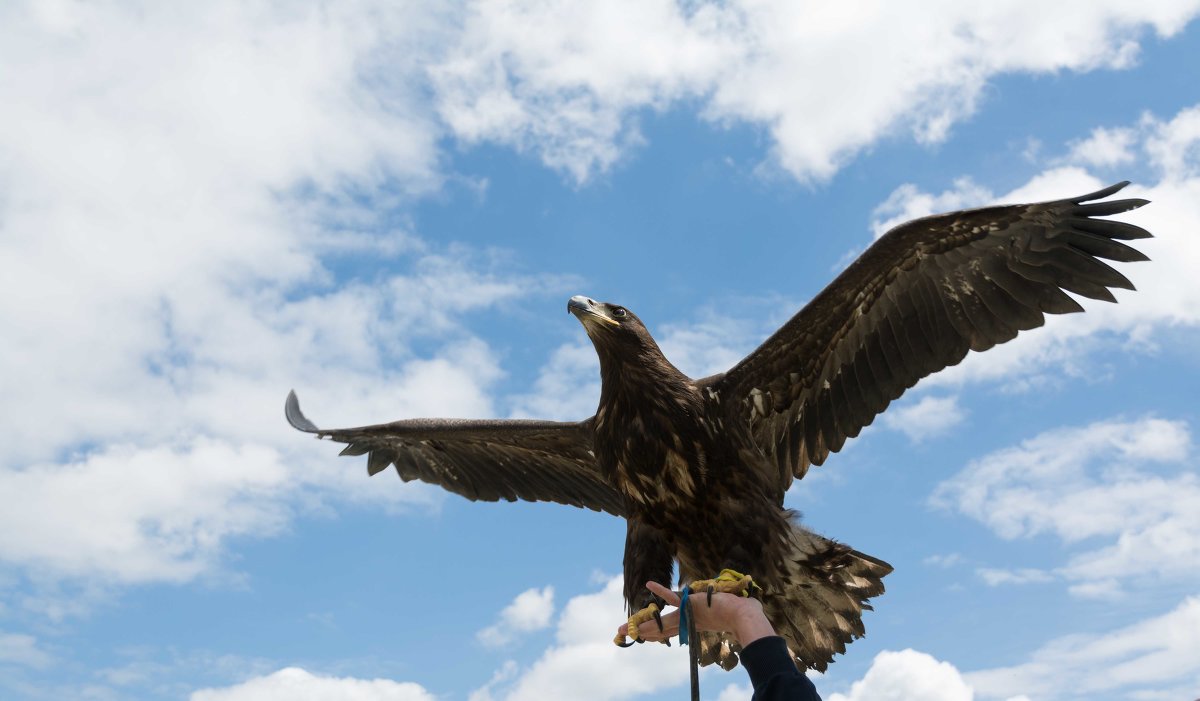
x=818, y=606
x=815, y=601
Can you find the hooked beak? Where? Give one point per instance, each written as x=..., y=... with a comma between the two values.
x=587, y=311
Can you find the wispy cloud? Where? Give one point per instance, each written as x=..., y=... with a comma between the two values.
x=1150, y=659
x=945, y=561
x=1121, y=494
x=22, y=649
x=1158, y=653
x=567, y=387
x=996, y=577
x=927, y=417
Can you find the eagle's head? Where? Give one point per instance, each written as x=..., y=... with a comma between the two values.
x=629, y=357
x=614, y=330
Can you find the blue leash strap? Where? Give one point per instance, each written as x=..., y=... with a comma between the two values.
x=683, y=617
x=687, y=631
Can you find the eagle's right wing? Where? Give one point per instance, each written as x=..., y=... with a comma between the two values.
x=915, y=302
x=482, y=460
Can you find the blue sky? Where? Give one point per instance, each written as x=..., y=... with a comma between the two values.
x=386, y=207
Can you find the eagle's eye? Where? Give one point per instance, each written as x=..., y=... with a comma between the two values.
x=618, y=312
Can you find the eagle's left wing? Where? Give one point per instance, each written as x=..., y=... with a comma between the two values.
x=482, y=460
x=914, y=303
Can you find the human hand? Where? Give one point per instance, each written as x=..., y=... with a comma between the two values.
x=729, y=613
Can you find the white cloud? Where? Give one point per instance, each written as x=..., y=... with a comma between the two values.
x=1138, y=660
x=949, y=560
x=1123, y=495
x=928, y=417
x=561, y=79
x=736, y=692
x=996, y=577
x=1054, y=465
x=161, y=215
x=1104, y=148
x=506, y=672
x=584, y=664
x=132, y=515
x=1174, y=146
x=908, y=674
x=295, y=684
x=176, y=180
x=567, y=387
x=149, y=507
x=543, y=77
x=22, y=649
x=532, y=610
x=715, y=341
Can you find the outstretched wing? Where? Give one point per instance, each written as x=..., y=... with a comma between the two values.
x=482, y=460
x=914, y=303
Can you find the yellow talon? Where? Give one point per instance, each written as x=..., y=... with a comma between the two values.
x=646, y=614
x=727, y=582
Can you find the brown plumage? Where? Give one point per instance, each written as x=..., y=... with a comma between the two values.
x=699, y=468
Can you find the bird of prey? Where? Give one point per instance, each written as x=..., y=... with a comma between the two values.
x=698, y=468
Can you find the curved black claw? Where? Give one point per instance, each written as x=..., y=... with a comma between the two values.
x=710, y=593
x=628, y=643
x=661, y=604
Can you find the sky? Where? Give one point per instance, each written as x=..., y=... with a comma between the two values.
x=385, y=207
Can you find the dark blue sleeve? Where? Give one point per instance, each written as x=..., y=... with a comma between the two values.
x=773, y=674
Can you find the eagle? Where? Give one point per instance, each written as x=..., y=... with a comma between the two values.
x=698, y=468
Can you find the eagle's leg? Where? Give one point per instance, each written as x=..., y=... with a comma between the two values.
x=727, y=582
x=648, y=557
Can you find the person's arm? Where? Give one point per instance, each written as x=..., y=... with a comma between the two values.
x=765, y=656
x=773, y=674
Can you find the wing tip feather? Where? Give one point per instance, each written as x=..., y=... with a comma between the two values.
x=295, y=417
x=1102, y=193
x=1096, y=208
